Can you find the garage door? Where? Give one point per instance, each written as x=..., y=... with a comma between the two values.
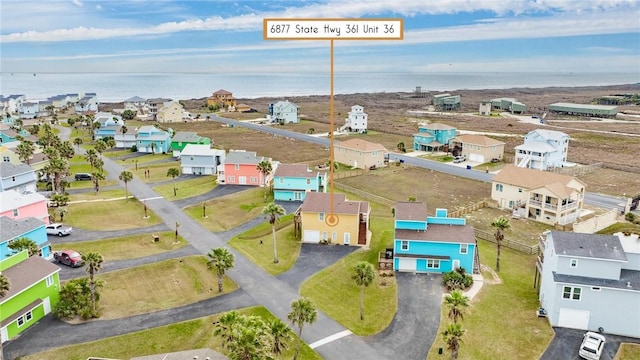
x=575, y=319
x=311, y=236
x=405, y=264
x=476, y=157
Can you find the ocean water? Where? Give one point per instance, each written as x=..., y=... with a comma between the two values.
x=115, y=87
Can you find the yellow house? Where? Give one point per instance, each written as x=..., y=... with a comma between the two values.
x=170, y=112
x=350, y=220
x=359, y=153
x=223, y=98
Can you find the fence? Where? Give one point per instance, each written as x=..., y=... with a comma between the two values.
x=627, y=168
x=347, y=174
x=469, y=209
x=511, y=244
x=596, y=223
x=577, y=170
x=365, y=195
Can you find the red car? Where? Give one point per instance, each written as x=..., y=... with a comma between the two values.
x=68, y=257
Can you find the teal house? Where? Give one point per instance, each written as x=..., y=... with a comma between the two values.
x=183, y=138
x=30, y=228
x=150, y=139
x=35, y=284
x=433, y=137
x=435, y=244
x=291, y=182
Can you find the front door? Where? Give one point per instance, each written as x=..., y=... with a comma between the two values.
x=46, y=305
x=297, y=195
x=455, y=264
x=242, y=180
x=347, y=238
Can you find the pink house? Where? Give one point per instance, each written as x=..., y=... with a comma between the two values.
x=15, y=205
x=240, y=168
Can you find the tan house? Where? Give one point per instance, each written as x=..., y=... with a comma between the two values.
x=350, y=221
x=539, y=195
x=359, y=153
x=170, y=112
x=223, y=98
x=477, y=148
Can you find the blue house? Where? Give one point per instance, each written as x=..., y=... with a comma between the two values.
x=433, y=137
x=291, y=182
x=153, y=140
x=435, y=244
x=30, y=228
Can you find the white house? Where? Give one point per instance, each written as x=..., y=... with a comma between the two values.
x=201, y=159
x=19, y=177
x=28, y=110
x=484, y=108
x=10, y=104
x=542, y=149
x=591, y=281
x=356, y=121
x=89, y=102
x=136, y=104
x=283, y=111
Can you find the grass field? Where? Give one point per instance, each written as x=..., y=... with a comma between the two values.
x=336, y=294
x=161, y=285
x=192, y=334
x=612, y=182
x=187, y=188
x=501, y=323
x=257, y=245
x=521, y=230
x=628, y=352
x=110, y=215
x=437, y=190
x=127, y=247
x=102, y=194
x=620, y=227
x=157, y=172
x=229, y=211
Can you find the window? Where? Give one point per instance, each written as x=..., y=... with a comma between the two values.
x=404, y=245
x=433, y=264
x=499, y=187
x=374, y=153
x=49, y=280
x=308, y=181
x=574, y=263
x=510, y=204
x=20, y=321
x=324, y=235
x=253, y=179
x=571, y=293
x=236, y=166
x=231, y=178
x=334, y=236
x=15, y=212
x=519, y=190
x=28, y=316
x=281, y=180
x=595, y=288
x=6, y=159
x=13, y=178
x=464, y=248
x=321, y=216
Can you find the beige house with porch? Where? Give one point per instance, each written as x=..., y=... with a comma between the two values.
x=359, y=153
x=538, y=195
x=477, y=148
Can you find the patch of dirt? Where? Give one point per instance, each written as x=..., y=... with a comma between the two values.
x=495, y=279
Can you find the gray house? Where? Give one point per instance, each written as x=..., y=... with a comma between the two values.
x=20, y=178
x=283, y=111
x=591, y=281
x=201, y=159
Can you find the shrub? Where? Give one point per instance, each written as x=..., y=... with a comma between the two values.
x=457, y=279
x=631, y=217
x=134, y=148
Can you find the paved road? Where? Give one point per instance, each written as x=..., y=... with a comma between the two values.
x=566, y=342
x=415, y=325
x=600, y=200
x=263, y=288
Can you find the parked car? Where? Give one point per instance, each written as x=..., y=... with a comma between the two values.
x=83, y=176
x=592, y=346
x=58, y=229
x=460, y=158
x=68, y=257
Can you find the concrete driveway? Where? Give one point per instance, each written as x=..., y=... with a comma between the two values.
x=566, y=343
x=415, y=325
x=313, y=258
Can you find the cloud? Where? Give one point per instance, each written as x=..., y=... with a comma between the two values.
x=98, y=7
x=77, y=2
x=599, y=10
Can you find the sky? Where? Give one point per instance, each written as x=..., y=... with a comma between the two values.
x=162, y=36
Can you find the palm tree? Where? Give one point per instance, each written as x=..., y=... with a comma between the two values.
x=77, y=142
x=457, y=302
x=221, y=259
x=91, y=155
x=95, y=126
x=302, y=312
x=501, y=223
x=111, y=142
x=364, y=273
x=280, y=335
x=93, y=261
x=125, y=177
x=100, y=146
x=66, y=150
x=225, y=325
x=265, y=169
x=61, y=212
x=173, y=173
x=452, y=335
x=56, y=169
x=96, y=176
x=274, y=211
x=24, y=243
x=25, y=150
x=153, y=148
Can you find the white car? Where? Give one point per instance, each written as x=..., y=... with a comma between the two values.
x=58, y=229
x=592, y=346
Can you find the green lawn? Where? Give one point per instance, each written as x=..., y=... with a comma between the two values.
x=501, y=323
x=153, y=157
x=440, y=158
x=229, y=211
x=187, y=188
x=261, y=254
x=335, y=293
x=521, y=230
x=102, y=194
x=628, y=352
x=157, y=172
x=192, y=334
x=110, y=215
x=621, y=227
x=157, y=286
x=127, y=247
